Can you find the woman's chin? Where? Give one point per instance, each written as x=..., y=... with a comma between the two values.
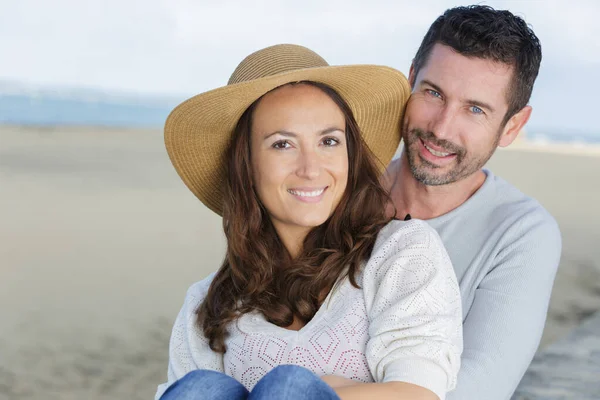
x=311, y=221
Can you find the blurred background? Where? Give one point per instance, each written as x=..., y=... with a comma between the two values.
x=99, y=238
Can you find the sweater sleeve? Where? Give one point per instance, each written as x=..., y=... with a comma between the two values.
x=188, y=347
x=503, y=328
x=414, y=308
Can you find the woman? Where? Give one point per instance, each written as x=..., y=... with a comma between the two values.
x=319, y=295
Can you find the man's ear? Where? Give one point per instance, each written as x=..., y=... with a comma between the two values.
x=411, y=76
x=514, y=125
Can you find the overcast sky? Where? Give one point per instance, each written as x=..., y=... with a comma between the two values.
x=183, y=47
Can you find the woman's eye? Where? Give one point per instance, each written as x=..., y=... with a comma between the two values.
x=331, y=142
x=281, y=145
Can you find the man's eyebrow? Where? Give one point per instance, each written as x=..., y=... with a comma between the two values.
x=292, y=134
x=433, y=85
x=481, y=104
x=473, y=102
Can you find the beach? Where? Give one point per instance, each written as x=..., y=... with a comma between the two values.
x=100, y=239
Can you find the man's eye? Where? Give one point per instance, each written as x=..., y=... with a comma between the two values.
x=476, y=110
x=434, y=93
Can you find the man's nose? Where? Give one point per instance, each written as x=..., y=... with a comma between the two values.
x=441, y=124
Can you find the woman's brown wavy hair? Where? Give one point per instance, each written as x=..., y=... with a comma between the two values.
x=258, y=273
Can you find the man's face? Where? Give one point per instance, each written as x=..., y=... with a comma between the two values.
x=454, y=118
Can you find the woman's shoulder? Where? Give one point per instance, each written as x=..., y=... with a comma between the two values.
x=414, y=233
x=197, y=291
x=409, y=245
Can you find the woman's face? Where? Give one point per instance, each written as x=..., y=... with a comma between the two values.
x=299, y=157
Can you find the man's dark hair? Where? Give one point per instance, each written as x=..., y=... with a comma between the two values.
x=497, y=35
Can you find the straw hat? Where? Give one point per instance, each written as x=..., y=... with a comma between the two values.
x=198, y=131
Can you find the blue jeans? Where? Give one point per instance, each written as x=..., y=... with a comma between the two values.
x=285, y=382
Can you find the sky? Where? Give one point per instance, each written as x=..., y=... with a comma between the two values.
x=184, y=47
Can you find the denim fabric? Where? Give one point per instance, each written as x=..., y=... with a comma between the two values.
x=285, y=382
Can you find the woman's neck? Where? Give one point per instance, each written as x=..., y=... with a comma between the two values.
x=292, y=237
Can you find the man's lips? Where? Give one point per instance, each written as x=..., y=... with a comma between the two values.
x=436, y=150
x=435, y=157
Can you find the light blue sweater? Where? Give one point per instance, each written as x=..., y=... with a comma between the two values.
x=505, y=248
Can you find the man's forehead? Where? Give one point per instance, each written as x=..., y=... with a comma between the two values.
x=465, y=76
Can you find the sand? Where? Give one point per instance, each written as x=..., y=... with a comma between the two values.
x=99, y=240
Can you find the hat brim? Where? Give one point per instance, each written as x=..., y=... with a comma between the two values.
x=198, y=131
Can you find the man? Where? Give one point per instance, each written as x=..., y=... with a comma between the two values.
x=471, y=80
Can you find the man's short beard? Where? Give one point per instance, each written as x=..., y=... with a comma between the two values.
x=420, y=170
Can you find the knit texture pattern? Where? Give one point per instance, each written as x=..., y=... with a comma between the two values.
x=404, y=323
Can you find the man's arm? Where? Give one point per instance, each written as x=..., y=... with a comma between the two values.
x=502, y=330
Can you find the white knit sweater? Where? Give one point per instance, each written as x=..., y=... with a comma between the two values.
x=403, y=324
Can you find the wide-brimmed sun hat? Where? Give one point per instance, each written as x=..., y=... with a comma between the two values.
x=199, y=130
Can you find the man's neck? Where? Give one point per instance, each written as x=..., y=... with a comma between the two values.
x=426, y=202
